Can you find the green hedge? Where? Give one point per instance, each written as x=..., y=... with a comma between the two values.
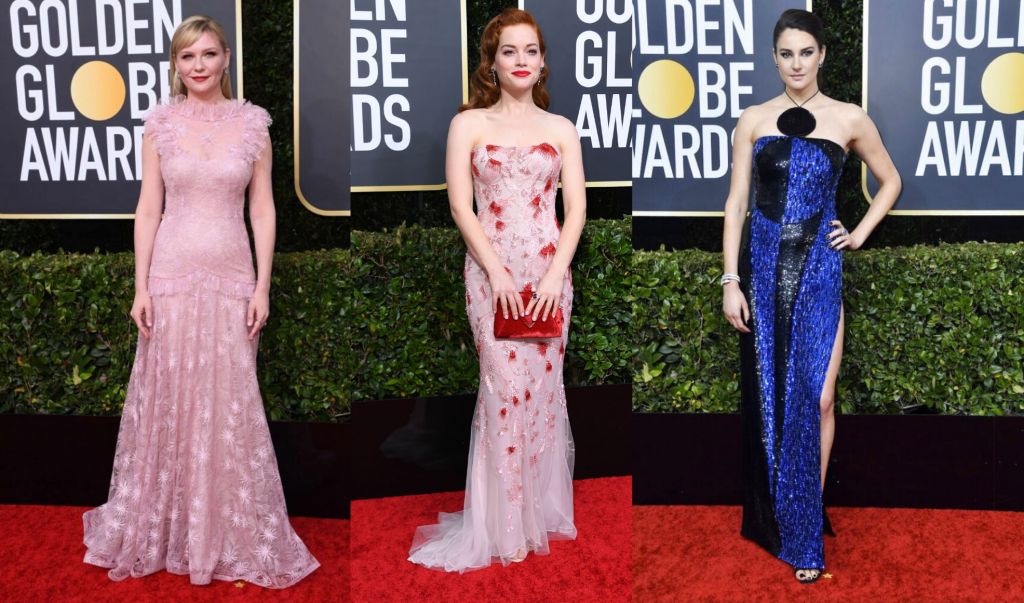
x=928, y=329
x=409, y=325
x=67, y=341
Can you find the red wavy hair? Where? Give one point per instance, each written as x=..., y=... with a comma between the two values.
x=482, y=91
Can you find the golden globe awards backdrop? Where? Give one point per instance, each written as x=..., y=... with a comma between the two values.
x=408, y=78
x=696, y=66
x=79, y=75
x=322, y=106
x=588, y=50
x=944, y=83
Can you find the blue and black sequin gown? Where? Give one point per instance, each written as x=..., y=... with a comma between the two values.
x=792, y=281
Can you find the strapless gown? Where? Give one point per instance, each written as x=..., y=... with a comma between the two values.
x=519, y=480
x=195, y=487
x=792, y=282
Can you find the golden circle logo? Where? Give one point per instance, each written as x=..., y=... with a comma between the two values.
x=97, y=90
x=1002, y=85
x=666, y=89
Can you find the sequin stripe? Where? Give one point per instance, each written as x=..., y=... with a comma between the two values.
x=201, y=278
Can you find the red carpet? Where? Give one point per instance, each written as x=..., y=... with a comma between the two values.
x=593, y=568
x=696, y=554
x=41, y=554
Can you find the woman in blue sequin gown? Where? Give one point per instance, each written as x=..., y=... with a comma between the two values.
x=787, y=303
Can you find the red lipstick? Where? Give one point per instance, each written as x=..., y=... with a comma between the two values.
x=521, y=73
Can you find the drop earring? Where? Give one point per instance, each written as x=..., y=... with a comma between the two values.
x=540, y=74
x=494, y=77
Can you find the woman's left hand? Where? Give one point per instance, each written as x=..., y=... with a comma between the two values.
x=259, y=311
x=840, y=238
x=546, y=297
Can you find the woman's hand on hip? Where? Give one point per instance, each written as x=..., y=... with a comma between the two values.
x=840, y=238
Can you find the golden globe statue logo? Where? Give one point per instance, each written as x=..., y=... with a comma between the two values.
x=1002, y=85
x=98, y=90
x=666, y=89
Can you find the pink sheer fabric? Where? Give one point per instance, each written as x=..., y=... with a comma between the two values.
x=519, y=482
x=195, y=487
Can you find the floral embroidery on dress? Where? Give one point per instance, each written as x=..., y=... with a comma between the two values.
x=195, y=487
x=521, y=443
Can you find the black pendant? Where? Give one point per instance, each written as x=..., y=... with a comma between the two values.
x=796, y=122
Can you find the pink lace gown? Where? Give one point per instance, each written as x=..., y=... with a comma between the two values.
x=195, y=487
x=519, y=482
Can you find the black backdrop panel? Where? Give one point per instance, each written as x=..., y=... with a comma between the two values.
x=588, y=58
x=938, y=90
x=421, y=445
x=323, y=170
x=67, y=460
x=407, y=81
x=935, y=462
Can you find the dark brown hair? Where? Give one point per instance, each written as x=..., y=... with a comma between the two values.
x=803, y=20
x=482, y=91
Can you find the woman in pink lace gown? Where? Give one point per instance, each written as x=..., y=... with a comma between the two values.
x=508, y=152
x=195, y=487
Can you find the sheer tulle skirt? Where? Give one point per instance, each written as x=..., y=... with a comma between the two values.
x=519, y=481
x=195, y=488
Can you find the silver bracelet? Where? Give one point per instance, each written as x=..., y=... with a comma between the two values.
x=730, y=277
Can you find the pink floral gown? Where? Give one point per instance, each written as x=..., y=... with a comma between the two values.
x=195, y=487
x=519, y=483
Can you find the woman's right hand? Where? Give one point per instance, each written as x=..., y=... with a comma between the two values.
x=503, y=289
x=142, y=312
x=734, y=304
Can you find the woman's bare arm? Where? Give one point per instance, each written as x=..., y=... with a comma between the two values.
x=458, y=175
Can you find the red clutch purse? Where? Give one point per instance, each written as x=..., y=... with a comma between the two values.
x=526, y=327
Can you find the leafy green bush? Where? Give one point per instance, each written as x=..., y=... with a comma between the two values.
x=928, y=329
x=409, y=326
x=67, y=341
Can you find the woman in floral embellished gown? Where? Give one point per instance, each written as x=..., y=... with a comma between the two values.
x=195, y=487
x=508, y=152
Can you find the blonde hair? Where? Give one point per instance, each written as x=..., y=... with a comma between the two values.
x=188, y=32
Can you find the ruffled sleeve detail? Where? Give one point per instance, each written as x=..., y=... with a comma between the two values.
x=256, y=131
x=160, y=129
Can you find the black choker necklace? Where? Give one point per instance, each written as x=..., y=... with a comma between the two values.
x=797, y=121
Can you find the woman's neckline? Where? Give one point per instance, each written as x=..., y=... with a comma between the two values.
x=521, y=146
x=841, y=147
x=205, y=111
